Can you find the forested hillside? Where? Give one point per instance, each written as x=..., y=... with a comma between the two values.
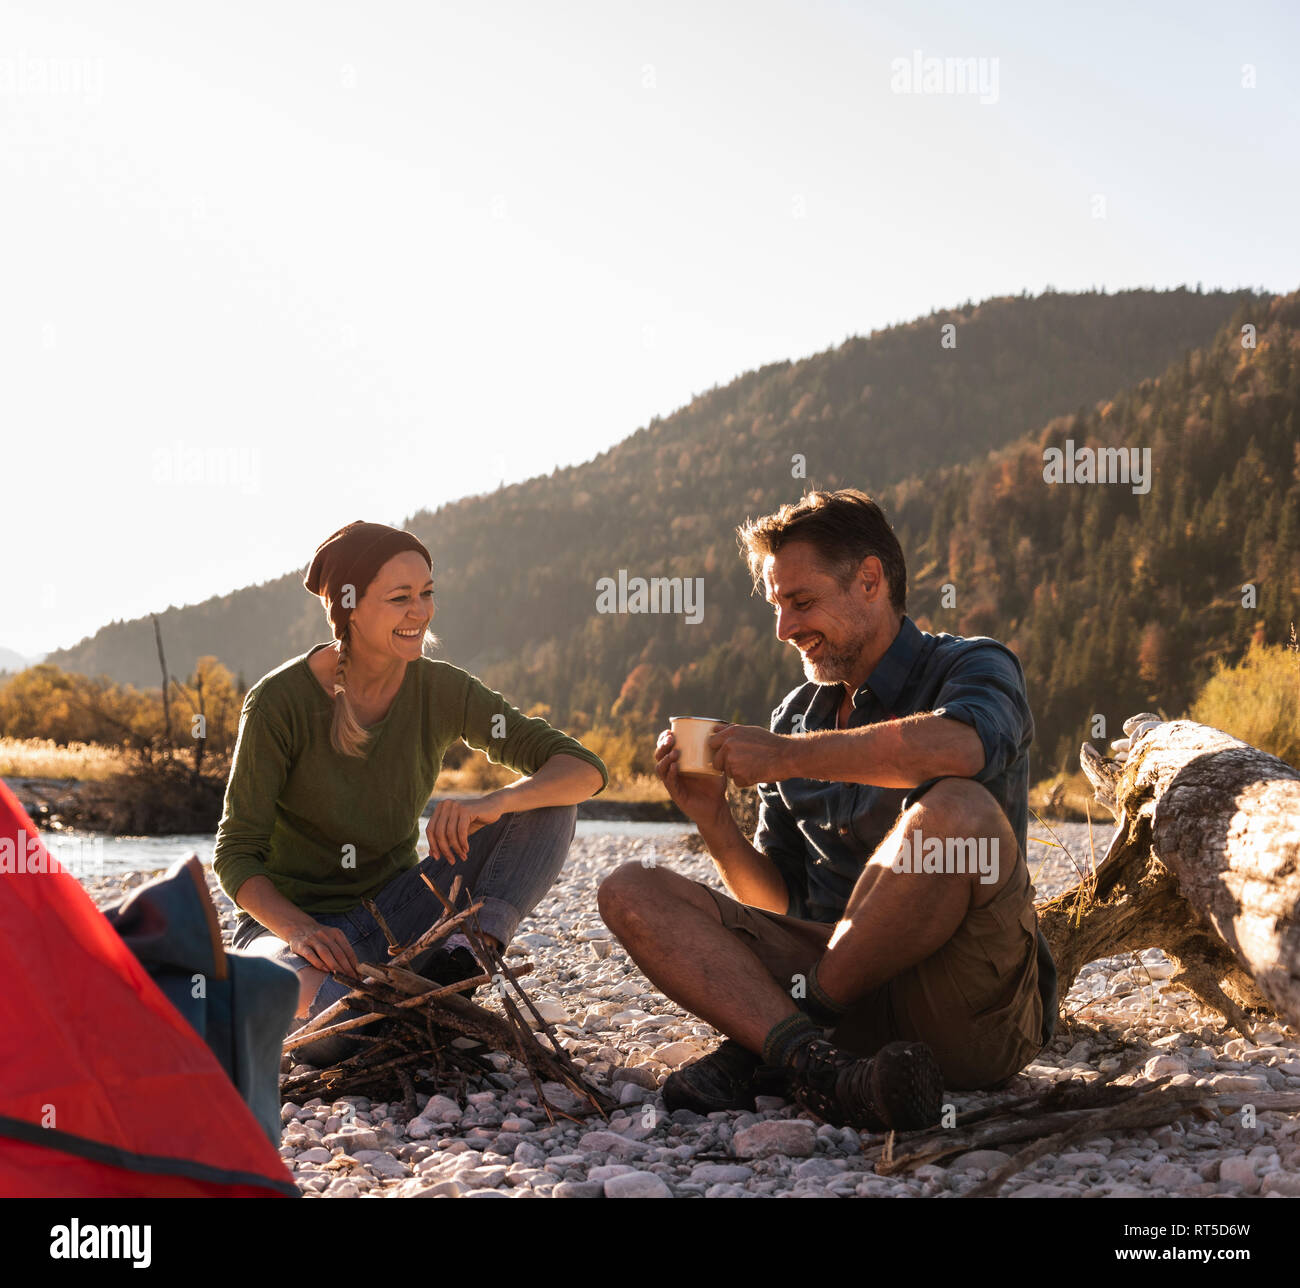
x=1113, y=600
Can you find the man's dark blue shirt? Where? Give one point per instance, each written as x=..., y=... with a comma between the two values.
x=820, y=834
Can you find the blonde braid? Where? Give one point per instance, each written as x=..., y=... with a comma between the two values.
x=347, y=735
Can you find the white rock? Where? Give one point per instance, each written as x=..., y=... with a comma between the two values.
x=484, y=1178
x=352, y=1138
x=417, y=1189
x=721, y=1173
x=609, y=1170
x=386, y=1166
x=623, y=1018
x=638, y=1074
x=1160, y=1065
x=984, y=1160
x=637, y=1185
x=1156, y=970
x=536, y=940
x=608, y=1142
x=1247, y=1082
x=820, y=1169
x=549, y=1009
x=794, y=1137
x=441, y=1109
x=1242, y=1171
x=677, y=1053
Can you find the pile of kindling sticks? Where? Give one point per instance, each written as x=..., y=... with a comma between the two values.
x=414, y=1026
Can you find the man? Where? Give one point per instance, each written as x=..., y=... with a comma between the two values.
x=881, y=938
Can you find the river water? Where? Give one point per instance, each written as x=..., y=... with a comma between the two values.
x=93, y=854
x=1058, y=853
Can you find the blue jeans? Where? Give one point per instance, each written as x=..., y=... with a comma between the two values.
x=512, y=863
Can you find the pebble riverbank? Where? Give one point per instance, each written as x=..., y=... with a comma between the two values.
x=499, y=1144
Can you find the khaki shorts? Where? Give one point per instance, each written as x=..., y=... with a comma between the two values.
x=974, y=1003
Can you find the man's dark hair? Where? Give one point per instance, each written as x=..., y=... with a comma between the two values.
x=844, y=527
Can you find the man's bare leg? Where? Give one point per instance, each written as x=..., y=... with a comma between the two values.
x=670, y=927
x=894, y=920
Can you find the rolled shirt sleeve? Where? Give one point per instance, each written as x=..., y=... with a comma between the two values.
x=985, y=688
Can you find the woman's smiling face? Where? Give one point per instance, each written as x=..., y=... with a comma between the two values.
x=393, y=614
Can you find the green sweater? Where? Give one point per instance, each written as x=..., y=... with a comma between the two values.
x=330, y=830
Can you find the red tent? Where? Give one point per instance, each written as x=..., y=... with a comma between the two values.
x=105, y=1090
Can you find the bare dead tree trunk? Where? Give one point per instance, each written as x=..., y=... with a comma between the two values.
x=162, y=662
x=1205, y=865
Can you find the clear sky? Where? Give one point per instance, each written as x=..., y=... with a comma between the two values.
x=267, y=268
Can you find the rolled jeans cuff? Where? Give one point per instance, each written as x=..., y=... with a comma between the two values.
x=499, y=919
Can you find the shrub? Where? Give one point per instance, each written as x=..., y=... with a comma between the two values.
x=1257, y=700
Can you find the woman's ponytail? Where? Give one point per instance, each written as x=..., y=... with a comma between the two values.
x=347, y=735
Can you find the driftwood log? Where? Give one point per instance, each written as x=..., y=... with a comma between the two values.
x=1205, y=865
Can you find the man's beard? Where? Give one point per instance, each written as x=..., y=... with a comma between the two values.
x=835, y=664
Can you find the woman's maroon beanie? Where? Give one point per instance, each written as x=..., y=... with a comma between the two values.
x=351, y=557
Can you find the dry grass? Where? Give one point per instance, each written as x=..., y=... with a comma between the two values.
x=1064, y=796
x=636, y=787
x=478, y=774
x=43, y=758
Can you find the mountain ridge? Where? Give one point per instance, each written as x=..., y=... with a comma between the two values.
x=894, y=413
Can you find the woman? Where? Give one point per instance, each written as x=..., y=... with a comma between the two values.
x=336, y=758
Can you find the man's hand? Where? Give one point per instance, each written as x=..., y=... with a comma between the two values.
x=454, y=822
x=701, y=797
x=749, y=874
x=749, y=755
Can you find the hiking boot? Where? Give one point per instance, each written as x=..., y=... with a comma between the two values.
x=450, y=966
x=900, y=1088
x=723, y=1079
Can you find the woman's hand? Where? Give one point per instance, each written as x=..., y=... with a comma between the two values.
x=454, y=822
x=325, y=947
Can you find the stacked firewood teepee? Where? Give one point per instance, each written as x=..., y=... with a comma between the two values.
x=414, y=1033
